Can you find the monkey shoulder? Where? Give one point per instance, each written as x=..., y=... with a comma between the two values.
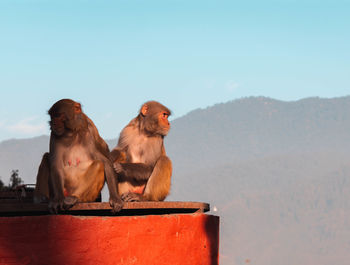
x=94, y=139
x=128, y=136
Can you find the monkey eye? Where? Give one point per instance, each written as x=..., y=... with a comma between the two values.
x=165, y=115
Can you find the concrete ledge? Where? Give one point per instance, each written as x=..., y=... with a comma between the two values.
x=103, y=208
x=151, y=239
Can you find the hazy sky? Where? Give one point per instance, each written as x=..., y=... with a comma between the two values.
x=113, y=55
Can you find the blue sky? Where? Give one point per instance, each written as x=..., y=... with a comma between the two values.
x=114, y=55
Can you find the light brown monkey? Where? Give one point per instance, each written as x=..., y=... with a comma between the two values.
x=143, y=168
x=75, y=168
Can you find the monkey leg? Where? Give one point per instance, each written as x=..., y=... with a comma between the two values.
x=41, y=192
x=91, y=183
x=131, y=193
x=158, y=185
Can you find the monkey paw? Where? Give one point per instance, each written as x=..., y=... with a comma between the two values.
x=69, y=202
x=116, y=204
x=55, y=206
x=118, y=167
x=131, y=197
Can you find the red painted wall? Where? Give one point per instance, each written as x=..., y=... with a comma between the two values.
x=154, y=239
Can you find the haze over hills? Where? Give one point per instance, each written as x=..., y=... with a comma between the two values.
x=277, y=172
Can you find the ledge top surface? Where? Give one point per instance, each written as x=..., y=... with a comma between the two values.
x=103, y=208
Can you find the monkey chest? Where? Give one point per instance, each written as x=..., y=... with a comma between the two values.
x=76, y=161
x=144, y=151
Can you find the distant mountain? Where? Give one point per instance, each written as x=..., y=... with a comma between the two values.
x=276, y=172
x=24, y=155
x=256, y=127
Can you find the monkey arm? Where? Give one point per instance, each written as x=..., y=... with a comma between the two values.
x=133, y=171
x=112, y=183
x=117, y=155
x=55, y=181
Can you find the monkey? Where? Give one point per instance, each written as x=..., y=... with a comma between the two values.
x=143, y=168
x=77, y=164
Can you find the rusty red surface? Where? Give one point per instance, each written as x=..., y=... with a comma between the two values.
x=154, y=239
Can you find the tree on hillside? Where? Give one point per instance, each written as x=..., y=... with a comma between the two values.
x=1, y=185
x=15, y=180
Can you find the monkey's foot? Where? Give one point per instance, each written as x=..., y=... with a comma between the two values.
x=132, y=197
x=116, y=204
x=55, y=206
x=69, y=202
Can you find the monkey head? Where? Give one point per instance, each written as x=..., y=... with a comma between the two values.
x=154, y=118
x=66, y=115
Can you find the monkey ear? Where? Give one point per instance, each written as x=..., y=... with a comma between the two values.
x=77, y=108
x=144, y=110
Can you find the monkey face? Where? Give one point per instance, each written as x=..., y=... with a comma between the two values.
x=154, y=118
x=156, y=123
x=57, y=124
x=164, y=124
x=66, y=115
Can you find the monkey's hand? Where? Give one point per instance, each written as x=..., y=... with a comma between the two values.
x=56, y=205
x=69, y=202
x=117, y=156
x=118, y=168
x=116, y=203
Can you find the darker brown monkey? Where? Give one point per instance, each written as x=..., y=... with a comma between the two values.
x=143, y=169
x=77, y=164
